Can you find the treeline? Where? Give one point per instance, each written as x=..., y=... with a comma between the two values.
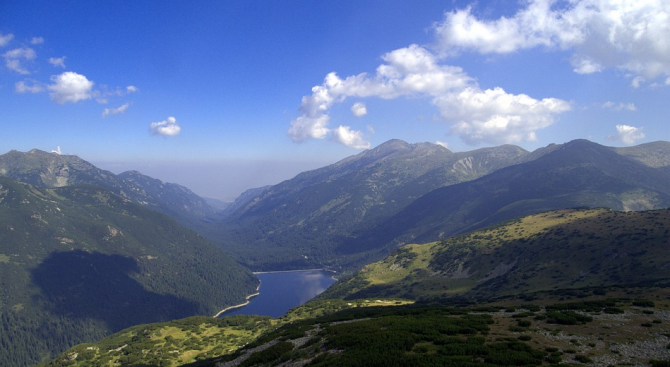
x=27, y=340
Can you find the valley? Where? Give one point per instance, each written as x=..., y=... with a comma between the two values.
x=335, y=183
x=88, y=255
x=422, y=306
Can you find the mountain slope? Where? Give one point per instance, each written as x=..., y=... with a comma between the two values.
x=53, y=170
x=575, y=174
x=79, y=262
x=560, y=287
x=544, y=252
x=300, y=222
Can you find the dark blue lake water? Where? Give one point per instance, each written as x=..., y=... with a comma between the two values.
x=281, y=291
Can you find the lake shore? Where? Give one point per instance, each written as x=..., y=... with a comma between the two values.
x=292, y=271
x=283, y=290
x=248, y=299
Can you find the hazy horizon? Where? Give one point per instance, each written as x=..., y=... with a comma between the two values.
x=267, y=90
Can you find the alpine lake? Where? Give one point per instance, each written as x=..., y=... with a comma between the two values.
x=281, y=291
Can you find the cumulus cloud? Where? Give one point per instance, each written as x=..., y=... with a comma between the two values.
x=70, y=87
x=627, y=134
x=14, y=59
x=619, y=106
x=115, y=111
x=37, y=41
x=167, y=127
x=494, y=116
x=350, y=138
x=28, y=86
x=478, y=116
x=131, y=89
x=57, y=61
x=5, y=39
x=358, y=109
x=626, y=34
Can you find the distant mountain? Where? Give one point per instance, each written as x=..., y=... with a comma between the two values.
x=79, y=262
x=656, y=154
x=53, y=170
x=217, y=204
x=576, y=174
x=168, y=198
x=242, y=200
x=300, y=222
x=564, y=249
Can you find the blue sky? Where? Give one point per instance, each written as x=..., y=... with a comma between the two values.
x=221, y=96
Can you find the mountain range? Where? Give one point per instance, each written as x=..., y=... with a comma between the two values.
x=53, y=170
x=81, y=246
x=361, y=208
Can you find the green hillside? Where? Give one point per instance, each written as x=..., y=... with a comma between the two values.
x=568, y=287
x=78, y=263
x=571, y=248
x=574, y=330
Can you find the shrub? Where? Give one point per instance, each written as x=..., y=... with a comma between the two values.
x=644, y=303
x=523, y=323
x=583, y=359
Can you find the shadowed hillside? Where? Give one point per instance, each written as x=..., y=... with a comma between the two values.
x=79, y=262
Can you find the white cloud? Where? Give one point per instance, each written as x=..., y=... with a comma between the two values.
x=304, y=128
x=115, y=111
x=70, y=87
x=494, y=116
x=28, y=86
x=104, y=92
x=619, y=106
x=631, y=35
x=478, y=116
x=359, y=110
x=627, y=134
x=167, y=127
x=37, y=41
x=344, y=135
x=637, y=82
x=57, y=61
x=5, y=39
x=585, y=65
x=14, y=59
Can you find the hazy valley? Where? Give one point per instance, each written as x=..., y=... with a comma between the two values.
x=86, y=253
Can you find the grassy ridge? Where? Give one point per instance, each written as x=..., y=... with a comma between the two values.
x=553, y=250
x=174, y=343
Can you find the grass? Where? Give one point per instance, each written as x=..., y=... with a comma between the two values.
x=562, y=249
